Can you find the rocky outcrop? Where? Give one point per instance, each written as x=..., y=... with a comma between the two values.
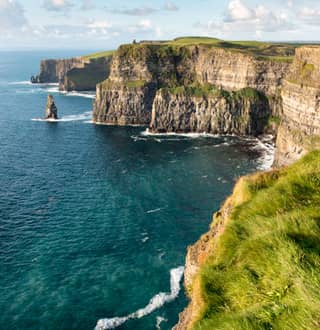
x=164, y=66
x=51, y=109
x=75, y=74
x=244, y=112
x=299, y=131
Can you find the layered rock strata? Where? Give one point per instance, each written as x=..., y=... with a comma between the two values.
x=245, y=112
x=170, y=67
x=299, y=131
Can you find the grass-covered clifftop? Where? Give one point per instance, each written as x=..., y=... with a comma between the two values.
x=260, y=50
x=262, y=271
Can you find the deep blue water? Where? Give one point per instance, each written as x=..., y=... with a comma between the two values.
x=93, y=218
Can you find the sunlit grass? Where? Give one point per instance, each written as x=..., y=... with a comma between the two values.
x=264, y=272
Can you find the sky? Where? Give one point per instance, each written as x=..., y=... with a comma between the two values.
x=103, y=24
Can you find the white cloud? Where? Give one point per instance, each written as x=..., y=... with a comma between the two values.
x=238, y=11
x=99, y=25
x=240, y=17
x=309, y=15
x=138, y=11
x=11, y=16
x=87, y=5
x=170, y=6
x=57, y=5
x=290, y=3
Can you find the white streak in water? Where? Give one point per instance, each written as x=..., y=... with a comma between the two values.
x=156, y=302
x=188, y=135
x=266, y=145
x=154, y=210
x=160, y=319
x=80, y=117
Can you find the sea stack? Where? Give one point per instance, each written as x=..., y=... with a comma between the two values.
x=51, y=109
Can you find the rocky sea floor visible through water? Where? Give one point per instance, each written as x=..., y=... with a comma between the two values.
x=95, y=220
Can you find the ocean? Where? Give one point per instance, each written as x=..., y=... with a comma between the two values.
x=95, y=220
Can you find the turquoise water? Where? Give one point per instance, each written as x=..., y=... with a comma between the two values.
x=93, y=218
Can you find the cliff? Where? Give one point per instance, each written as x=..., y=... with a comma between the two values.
x=299, y=131
x=256, y=267
x=210, y=110
x=78, y=74
x=174, y=66
x=53, y=71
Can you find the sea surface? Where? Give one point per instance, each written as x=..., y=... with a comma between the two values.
x=95, y=220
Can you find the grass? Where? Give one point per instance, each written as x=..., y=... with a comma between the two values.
x=263, y=270
x=99, y=55
x=208, y=90
x=135, y=83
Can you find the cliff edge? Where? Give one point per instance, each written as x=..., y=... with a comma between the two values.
x=256, y=268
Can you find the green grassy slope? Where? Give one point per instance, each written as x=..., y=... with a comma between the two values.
x=99, y=55
x=261, y=50
x=263, y=272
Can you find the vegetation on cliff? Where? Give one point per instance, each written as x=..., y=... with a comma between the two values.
x=262, y=269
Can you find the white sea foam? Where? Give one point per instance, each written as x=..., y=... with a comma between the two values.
x=154, y=210
x=26, y=82
x=80, y=117
x=160, y=319
x=89, y=95
x=188, y=135
x=145, y=239
x=266, y=146
x=155, y=303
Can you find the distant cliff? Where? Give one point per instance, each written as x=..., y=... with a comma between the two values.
x=79, y=73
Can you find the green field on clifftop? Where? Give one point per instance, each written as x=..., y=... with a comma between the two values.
x=264, y=271
x=282, y=52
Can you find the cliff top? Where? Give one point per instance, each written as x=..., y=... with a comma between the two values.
x=261, y=50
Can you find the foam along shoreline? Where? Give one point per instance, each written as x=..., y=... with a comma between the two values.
x=86, y=94
x=264, y=144
x=54, y=88
x=29, y=83
x=80, y=117
x=155, y=303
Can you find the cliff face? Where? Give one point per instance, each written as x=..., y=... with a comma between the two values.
x=118, y=104
x=170, y=67
x=300, y=128
x=243, y=113
x=87, y=76
x=77, y=74
x=53, y=71
x=233, y=70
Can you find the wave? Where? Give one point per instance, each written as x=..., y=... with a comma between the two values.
x=154, y=210
x=89, y=95
x=187, y=135
x=80, y=117
x=26, y=82
x=160, y=319
x=155, y=303
x=265, y=144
